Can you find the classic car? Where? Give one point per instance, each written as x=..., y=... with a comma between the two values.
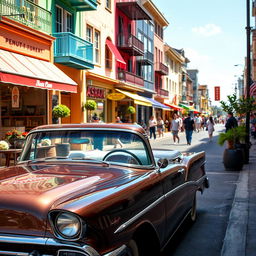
x=96, y=189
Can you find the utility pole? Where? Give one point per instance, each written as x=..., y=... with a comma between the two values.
x=248, y=80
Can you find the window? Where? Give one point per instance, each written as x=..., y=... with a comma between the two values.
x=108, y=4
x=97, y=46
x=89, y=30
x=108, y=58
x=63, y=20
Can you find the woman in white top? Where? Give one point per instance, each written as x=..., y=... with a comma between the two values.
x=210, y=127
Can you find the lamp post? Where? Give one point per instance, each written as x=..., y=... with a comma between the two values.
x=248, y=79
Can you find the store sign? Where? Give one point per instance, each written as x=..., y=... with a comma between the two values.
x=95, y=92
x=116, y=96
x=217, y=93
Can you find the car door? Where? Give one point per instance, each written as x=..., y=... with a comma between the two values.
x=175, y=194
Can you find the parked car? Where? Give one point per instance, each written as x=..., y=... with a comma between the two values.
x=96, y=189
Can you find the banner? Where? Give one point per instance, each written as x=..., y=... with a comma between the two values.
x=216, y=93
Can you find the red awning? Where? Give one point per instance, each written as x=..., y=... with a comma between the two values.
x=118, y=56
x=26, y=71
x=175, y=107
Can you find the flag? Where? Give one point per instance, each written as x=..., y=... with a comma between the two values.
x=253, y=89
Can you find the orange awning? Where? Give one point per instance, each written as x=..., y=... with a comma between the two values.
x=26, y=71
x=118, y=56
x=175, y=107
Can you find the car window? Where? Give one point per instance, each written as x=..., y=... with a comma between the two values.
x=116, y=147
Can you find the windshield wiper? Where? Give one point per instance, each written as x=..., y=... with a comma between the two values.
x=43, y=159
x=91, y=160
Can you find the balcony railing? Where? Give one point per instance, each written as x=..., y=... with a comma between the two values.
x=131, y=78
x=28, y=14
x=147, y=58
x=73, y=51
x=161, y=68
x=133, y=9
x=162, y=92
x=131, y=45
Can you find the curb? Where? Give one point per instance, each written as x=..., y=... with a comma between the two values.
x=235, y=238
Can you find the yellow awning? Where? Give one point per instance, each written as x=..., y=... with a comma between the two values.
x=139, y=100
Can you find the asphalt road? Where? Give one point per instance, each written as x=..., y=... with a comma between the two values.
x=205, y=237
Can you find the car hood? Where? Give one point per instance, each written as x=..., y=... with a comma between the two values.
x=27, y=193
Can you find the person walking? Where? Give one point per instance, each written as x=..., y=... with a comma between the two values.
x=189, y=126
x=160, y=127
x=152, y=127
x=198, y=121
x=175, y=127
x=210, y=127
x=231, y=122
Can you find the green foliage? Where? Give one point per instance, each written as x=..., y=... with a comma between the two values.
x=131, y=110
x=60, y=111
x=90, y=105
x=238, y=105
x=235, y=135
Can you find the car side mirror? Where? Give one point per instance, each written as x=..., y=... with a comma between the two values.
x=162, y=162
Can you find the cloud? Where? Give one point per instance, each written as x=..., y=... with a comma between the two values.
x=207, y=30
x=196, y=59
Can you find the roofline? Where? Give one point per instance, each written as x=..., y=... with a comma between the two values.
x=155, y=12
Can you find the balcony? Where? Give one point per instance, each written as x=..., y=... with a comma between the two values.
x=162, y=92
x=161, y=69
x=32, y=16
x=73, y=51
x=84, y=5
x=131, y=45
x=133, y=9
x=147, y=58
x=131, y=78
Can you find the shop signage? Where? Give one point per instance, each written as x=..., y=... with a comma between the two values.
x=216, y=93
x=95, y=92
x=43, y=84
x=116, y=96
x=15, y=97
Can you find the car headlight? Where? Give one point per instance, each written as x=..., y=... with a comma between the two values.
x=68, y=225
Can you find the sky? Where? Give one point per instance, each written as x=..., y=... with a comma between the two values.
x=213, y=35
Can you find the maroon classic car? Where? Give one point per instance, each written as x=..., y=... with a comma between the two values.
x=96, y=189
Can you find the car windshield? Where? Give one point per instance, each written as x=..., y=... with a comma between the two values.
x=116, y=147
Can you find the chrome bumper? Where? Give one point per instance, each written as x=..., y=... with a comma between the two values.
x=61, y=247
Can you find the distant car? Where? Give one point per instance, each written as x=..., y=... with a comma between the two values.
x=96, y=189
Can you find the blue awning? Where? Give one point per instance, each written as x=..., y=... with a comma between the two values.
x=157, y=104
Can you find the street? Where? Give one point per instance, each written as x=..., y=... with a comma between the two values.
x=205, y=237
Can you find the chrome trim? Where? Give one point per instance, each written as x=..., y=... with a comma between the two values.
x=119, y=251
x=14, y=253
x=159, y=200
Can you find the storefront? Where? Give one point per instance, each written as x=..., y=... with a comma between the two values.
x=28, y=78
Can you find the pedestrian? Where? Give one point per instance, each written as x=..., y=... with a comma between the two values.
x=118, y=120
x=175, y=127
x=152, y=127
x=210, y=127
x=160, y=127
x=189, y=126
x=198, y=121
x=231, y=122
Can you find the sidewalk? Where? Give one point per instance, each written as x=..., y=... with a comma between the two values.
x=240, y=239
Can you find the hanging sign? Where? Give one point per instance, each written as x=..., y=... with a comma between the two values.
x=217, y=93
x=15, y=97
x=115, y=96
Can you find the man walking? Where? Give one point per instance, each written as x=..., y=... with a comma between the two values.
x=189, y=126
x=231, y=122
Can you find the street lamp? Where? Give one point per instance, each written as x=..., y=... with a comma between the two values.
x=248, y=79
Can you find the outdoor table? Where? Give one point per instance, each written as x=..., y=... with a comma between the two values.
x=7, y=153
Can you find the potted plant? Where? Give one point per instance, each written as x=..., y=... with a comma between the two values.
x=60, y=111
x=90, y=105
x=233, y=156
x=131, y=110
x=15, y=138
